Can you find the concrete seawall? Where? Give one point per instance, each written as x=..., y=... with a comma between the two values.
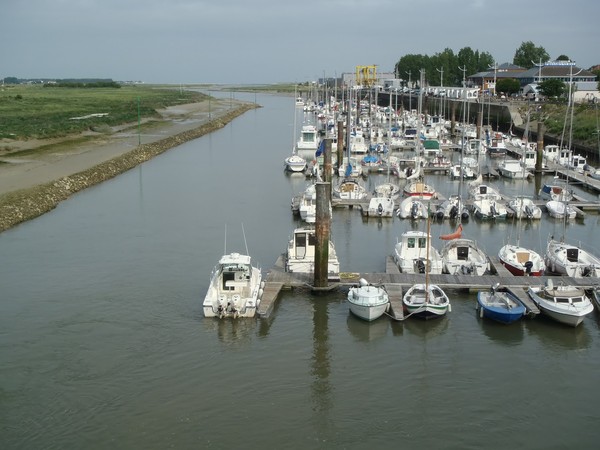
x=26, y=204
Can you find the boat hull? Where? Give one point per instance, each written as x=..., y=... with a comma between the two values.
x=500, y=307
x=368, y=302
x=433, y=305
x=566, y=314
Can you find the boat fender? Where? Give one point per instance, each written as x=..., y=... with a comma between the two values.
x=480, y=312
x=260, y=293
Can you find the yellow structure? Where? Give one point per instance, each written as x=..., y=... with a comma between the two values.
x=366, y=75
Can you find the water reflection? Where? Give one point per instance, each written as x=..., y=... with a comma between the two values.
x=499, y=333
x=367, y=331
x=321, y=366
x=426, y=329
x=234, y=333
x=558, y=337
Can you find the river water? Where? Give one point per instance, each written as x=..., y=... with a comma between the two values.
x=103, y=343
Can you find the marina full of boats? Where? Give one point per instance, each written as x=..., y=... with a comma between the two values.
x=390, y=166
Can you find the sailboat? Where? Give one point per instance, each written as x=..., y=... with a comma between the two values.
x=294, y=162
x=417, y=187
x=521, y=261
x=426, y=301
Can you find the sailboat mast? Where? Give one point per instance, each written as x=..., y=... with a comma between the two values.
x=427, y=243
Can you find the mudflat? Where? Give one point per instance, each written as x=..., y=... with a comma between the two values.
x=36, y=175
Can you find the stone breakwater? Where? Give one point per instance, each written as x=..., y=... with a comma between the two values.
x=26, y=204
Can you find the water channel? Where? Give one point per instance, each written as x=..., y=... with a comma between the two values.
x=103, y=343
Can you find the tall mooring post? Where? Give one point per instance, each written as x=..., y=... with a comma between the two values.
x=327, y=169
x=340, y=143
x=479, y=123
x=540, y=147
x=322, y=233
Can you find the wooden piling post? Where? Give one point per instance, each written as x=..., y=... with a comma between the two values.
x=340, y=143
x=540, y=147
x=327, y=166
x=322, y=233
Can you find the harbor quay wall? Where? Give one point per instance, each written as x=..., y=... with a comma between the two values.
x=26, y=204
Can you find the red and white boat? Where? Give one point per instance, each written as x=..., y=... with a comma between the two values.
x=521, y=261
x=419, y=188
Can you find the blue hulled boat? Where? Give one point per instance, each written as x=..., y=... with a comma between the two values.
x=501, y=306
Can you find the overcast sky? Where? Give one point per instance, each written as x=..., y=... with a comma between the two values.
x=267, y=41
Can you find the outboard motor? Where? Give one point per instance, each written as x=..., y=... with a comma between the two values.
x=465, y=214
x=453, y=212
x=528, y=266
x=493, y=212
x=409, y=171
x=528, y=212
x=420, y=265
x=380, y=209
x=414, y=210
x=439, y=214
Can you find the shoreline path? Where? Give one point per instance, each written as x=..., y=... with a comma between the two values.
x=35, y=183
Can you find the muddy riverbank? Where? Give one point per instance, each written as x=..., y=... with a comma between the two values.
x=17, y=206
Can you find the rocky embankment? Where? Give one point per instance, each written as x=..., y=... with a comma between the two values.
x=27, y=204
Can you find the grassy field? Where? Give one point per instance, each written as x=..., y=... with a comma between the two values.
x=586, y=122
x=33, y=111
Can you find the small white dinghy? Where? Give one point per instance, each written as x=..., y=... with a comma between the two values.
x=368, y=302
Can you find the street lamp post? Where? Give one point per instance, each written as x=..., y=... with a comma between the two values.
x=495, y=75
x=409, y=92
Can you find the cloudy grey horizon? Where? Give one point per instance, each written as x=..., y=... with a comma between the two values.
x=271, y=41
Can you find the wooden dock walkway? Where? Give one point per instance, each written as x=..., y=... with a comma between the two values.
x=396, y=283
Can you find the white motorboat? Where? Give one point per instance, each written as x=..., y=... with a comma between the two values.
x=524, y=208
x=560, y=210
x=412, y=208
x=521, y=261
x=495, y=145
x=381, y=207
x=464, y=257
x=367, y=301
x=557, y=192
x=485, y=208
x=452, y=208
x=308, y=204
x=513, y=169
x=571, y=260
x=414, y=252
x=309, y=140
x=235, y=288
x=426, y=301
x=565, y=304
x=300, y=255
x=478, y=190
x=295, y=163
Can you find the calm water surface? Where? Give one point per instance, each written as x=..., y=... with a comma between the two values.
x=103, y=343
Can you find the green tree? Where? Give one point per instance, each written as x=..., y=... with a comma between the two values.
x=508, y=85
x=563, y=58
x=553, y=87
x=528, y=55
x=408, y=67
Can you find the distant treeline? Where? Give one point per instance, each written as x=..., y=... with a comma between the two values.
x=65, y=82
x=79, y=84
